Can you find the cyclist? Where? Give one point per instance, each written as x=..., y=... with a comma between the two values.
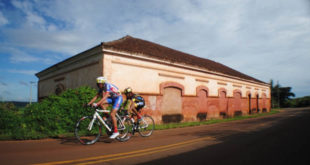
x=109, y=94
x=135, y=102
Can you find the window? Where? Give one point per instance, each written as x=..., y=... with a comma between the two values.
x=59, y=89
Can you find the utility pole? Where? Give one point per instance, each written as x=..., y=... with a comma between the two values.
x=30, y=84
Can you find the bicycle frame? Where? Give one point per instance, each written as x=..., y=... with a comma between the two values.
x=142, y=120
x=132, y=120
x=97, y=116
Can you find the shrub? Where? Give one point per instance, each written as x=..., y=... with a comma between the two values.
x=53, y=116
x=299, y=102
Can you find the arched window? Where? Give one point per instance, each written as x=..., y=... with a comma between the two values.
x=264, y=100
x=257, y=103
x=249, y=102
x=237, y=102
x=59, y=89
x=202, y=101
x=223, y=102
x=171, y=106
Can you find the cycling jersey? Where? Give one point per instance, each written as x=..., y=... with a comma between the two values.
x=111, y=89
x=115, y=98
x=137, y=98
x=138, y=101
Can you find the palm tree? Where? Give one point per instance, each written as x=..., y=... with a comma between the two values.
x=280, y=95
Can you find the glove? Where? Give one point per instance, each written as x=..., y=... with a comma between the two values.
x=95, y=105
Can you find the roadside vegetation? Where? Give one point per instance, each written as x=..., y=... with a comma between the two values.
x=54, y=116
x=57, y=115
x=281, y=97
x=213, y=121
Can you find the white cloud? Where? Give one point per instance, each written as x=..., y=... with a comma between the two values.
x=32, y=18
x=26, y=72
x=21, y=57
x=263, y=40
x=17, y=55
x=3, y=20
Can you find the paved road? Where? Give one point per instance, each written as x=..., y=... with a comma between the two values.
x=282, y=138
x=285, y=141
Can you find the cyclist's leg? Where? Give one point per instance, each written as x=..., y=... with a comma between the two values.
x=139, y=106
x=104, y=105
x=134, y=115
x=136, y=110
x=116, y=105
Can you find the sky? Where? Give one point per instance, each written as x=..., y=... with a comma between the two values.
x=266, y=39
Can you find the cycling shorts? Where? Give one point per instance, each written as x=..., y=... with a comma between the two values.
x=115, y=101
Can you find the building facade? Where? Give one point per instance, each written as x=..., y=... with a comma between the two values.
x=176, y=86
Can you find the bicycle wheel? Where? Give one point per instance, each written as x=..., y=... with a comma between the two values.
x=146, y=126
x=84, y=135
x=124, y=130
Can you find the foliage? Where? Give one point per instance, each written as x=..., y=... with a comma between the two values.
x=300, y=102
x=53, y=116
x=280, y=96
x=7, y=106
x=212, y=121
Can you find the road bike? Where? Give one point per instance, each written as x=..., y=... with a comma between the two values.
x=89, y=128
x=145, y=126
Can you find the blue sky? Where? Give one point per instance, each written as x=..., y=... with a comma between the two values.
x=266, y=39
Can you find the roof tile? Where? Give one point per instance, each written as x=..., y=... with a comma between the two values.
x=153, y=50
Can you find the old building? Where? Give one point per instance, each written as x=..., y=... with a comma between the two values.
x=176, y=86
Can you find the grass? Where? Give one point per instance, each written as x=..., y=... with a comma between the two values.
x=162, y=126
x=212, y=121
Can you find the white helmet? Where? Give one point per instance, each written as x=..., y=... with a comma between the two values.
x=101, y=80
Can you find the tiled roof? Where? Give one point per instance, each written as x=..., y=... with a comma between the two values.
x=153, y=50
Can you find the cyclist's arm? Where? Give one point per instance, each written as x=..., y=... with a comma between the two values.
x=125, y=104
x=128, y=106
x=93, y=100
x=104, y=97
x=133, y=109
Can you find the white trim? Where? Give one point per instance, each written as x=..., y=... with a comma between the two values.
x=179, y=65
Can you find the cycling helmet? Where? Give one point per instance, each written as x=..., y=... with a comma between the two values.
x=128, y=90
x=101, y=80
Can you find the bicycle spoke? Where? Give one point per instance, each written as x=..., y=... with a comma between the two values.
x=124, y=130
x=83, y=134
x=146, y=126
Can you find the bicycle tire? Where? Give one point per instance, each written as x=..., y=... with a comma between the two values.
x=125, y=133
x=146, y=126
x=82, y=133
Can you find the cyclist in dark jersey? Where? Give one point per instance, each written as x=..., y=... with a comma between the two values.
x=109, y=94
x=135, y=102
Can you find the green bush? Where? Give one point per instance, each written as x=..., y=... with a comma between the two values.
x=9, y=120
x=299, y=102
x=52, y=117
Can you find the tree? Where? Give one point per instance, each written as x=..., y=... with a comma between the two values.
x=280, y=96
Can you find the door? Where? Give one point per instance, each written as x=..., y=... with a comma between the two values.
x=237, y=104
x=202, y=96
x=202, y=101
x=172, y=105
x=249, y=98
x=223, y=102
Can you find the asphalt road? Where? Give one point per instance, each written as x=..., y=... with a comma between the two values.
x=282, y=138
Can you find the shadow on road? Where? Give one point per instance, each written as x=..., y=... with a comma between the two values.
x=74, y=141
x=285, y=142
